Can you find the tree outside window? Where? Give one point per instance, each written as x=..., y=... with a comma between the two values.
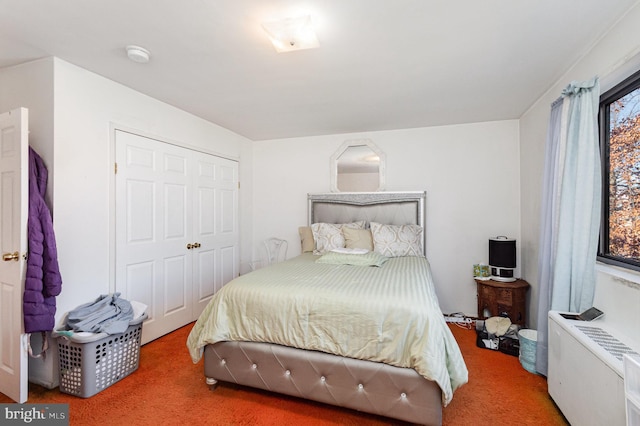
x=620, y=139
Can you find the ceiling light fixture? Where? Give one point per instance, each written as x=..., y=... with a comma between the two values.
x=138, y=54
x=292, y=34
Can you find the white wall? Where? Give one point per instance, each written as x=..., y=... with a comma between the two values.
x=470, y=173
x=31, y=86
x=86, y=106
x=609, y=57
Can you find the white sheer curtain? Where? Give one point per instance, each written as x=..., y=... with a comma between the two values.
x=571, y=200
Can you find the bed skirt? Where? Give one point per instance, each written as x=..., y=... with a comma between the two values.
x=371, y=387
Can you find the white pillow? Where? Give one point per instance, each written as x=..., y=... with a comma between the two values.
x=328, y=236
x=397, y=240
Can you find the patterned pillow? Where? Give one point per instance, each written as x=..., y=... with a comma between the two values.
x=397, y=240
x=328, y=236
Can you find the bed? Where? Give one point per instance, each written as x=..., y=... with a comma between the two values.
x=343, y=327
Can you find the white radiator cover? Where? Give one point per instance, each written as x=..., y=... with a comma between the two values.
x=585, y=374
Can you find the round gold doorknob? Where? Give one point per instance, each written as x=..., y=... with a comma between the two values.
x=189, y=246
x=197, y=245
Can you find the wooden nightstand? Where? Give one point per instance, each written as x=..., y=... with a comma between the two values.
x=497, y=298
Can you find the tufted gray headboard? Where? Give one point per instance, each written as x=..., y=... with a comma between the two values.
x=392, y=208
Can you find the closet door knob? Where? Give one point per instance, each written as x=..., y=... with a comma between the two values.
x=197, y=245
x=7, y=257
x=189, y=246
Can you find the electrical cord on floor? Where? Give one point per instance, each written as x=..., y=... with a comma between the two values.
x=465, y=325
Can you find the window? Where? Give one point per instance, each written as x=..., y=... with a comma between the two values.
x=620, y=147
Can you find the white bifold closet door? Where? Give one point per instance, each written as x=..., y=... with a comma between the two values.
x=176, y=214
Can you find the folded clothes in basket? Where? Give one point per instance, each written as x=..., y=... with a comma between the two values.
x=108, y=314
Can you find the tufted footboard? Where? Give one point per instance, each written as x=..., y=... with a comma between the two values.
x=372, y=387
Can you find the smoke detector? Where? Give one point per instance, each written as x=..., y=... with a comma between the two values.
x=138, y=54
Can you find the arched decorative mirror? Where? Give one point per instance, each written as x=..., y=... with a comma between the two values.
x=357, y=166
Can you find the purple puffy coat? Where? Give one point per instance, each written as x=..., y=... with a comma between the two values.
x=43, y=281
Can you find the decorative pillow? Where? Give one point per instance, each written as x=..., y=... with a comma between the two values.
x=397, y=240
x=368, y=259
x=306, y=239
x=329, y=235
x=357, y=238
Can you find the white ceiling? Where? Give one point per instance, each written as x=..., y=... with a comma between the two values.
x=382, y=64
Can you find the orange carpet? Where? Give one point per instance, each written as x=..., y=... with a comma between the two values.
x=168, y=389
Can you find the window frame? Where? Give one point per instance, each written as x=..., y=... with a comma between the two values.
x=621, y=89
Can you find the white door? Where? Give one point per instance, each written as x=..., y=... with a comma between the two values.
x=14, y=192
x=171, y=250
x=215, y=228
x=153, y=229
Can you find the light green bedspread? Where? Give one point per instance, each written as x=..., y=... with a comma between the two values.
x=387, y=314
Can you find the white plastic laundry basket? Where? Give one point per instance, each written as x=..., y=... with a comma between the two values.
x=90, y=364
